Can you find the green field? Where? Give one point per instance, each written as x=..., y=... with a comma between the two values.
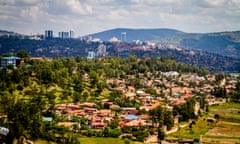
x=227, y=112
x=43, y=142
x=200, y=128
x=227, y=129
x=94, y=140
x=104, y=141
x=225, y=106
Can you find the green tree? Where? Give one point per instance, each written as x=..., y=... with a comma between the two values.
x=235, y=94
x=168, y=119
x=185, y=110
x=24, y=117
x=17, y=76
x=207, y=108
x=116, y=132
x=202, y=101
x=22, y=54
x=76, y=97
x=114, y=123
x=94, y=78
x=161, y=134
x=85, y=96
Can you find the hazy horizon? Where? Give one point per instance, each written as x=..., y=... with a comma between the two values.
x=92, y=16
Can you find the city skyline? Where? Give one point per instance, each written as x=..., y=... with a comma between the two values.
x=91, y=16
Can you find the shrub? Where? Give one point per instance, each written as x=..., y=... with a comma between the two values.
x=115, y=132
x=20, y=87
x=216, y=116
x=127, y=141
x=196, y=139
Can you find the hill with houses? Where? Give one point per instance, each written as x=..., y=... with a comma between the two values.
x=126, y=98
x=224, y=43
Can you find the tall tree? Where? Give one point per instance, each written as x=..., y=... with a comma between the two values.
x=24, y=117
x=22, y=54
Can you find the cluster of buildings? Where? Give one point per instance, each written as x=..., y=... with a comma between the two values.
x=101, y=51
x=121, y=39
x=62, y=35
x=12, y=60
x=99, y=118
x=127, y=116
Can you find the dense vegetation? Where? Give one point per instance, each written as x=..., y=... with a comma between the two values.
x=68, y=72
x=32, y=90
x=74, y=80
x=46, y=48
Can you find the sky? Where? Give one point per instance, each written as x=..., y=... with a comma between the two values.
x=91, y=16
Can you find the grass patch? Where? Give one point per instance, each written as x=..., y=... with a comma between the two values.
x=227, y=112
x=43, y=142
x=105, y=93
x=94, y=140
x=225, y=106
x=219, y=140
x=227, y=129
x=200, y=128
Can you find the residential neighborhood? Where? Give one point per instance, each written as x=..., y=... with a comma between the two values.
x=119, y=71
x=131, y=99
x=177, y=90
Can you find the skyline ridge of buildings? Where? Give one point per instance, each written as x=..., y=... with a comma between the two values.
x=49, y=34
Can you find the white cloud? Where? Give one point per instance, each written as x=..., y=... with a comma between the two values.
x=31, y=12
x=77, y=7
x=215, y=3
x=7, y=2
x=88, y=16
x=60, y=7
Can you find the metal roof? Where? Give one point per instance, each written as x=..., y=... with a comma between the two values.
x=10, y=58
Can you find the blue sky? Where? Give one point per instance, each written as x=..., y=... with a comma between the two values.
x=90, y=16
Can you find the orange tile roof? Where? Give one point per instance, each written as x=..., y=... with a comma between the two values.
x=88, y=104
x=67, y=124
x=135, y=123
x=97, y=124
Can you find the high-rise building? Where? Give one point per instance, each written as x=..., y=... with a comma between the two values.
x=101, y=50
x=63, y=35
x=123, y=36
x=48, y=34
x=91, y=55
x=71, y=34
x=60, y=34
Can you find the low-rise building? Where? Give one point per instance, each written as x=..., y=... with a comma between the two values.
x=12, y=60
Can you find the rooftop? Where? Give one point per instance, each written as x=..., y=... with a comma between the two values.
x=10, y=58
x=131, y=117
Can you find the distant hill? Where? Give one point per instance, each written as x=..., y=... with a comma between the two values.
x=224, y=43
x=5, y=32
x=184, y=47
x=136, y=34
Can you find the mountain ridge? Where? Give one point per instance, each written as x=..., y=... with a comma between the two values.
x=168, y=45
x=226, y=43
x=4, y=32
x=136, y=34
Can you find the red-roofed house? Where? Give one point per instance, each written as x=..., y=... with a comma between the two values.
x=67, y=124
x=134, y=123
